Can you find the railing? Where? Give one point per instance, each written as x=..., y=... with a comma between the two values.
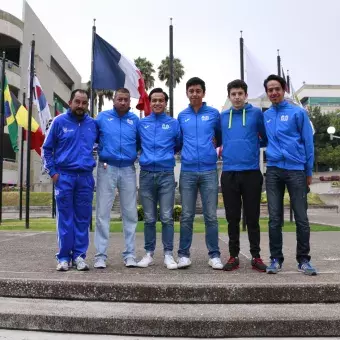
x=12, y=66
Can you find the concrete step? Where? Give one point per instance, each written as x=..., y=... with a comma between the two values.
x=181, y=320
x=215, y=293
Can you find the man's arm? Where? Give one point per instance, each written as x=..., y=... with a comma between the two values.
x=178, y=138
x=262, y=132
x=218, y=131
x=48, y=149
x=307, y=139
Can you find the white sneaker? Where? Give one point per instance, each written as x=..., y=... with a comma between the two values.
x=183, y=262
x=99, y=263
x=215, y=263
x=130, y=262
x=170, y=262
x=146, y=261
x=62, y=266
x=81, y=264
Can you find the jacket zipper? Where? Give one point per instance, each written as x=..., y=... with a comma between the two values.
x=277, y=138
x=154, y=145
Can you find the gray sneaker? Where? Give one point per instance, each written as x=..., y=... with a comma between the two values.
x=99, y=263
x=81, y=264
x=62, y=266
x=130, y=262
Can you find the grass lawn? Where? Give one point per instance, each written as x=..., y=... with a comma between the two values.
x=48, y=224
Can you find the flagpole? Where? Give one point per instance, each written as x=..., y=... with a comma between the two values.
x=2, y=127
x=171, y=62
x=244, y=223
x=22, y=161
x=242, y=56
x=30, y=109
x=288, y=81
x=92, y=64
x=92, y=94
x=278, y=63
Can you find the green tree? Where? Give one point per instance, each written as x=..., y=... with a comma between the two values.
x=327, y=152
x=164, y=71
x=100, y=95
x=146, y=68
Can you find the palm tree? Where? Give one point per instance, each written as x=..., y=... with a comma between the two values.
x=147, y=70
x=100, y=95
x=164, y=71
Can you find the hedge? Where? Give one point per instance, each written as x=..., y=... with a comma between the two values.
x=176, y=214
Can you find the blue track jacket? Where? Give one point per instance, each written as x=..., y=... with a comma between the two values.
x=290, y=138
x=198, y=131
x=68, y=146
x=118, y=139
x=160, y=138
x=243, y=133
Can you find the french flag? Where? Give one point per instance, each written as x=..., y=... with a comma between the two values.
x=41, y=104
x=111, y=70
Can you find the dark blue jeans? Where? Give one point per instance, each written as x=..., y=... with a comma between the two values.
x=189, y=184
x=158, y=187
x=276, y=181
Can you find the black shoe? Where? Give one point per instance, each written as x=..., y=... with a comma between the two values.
x=258, y=264
x=232, y=264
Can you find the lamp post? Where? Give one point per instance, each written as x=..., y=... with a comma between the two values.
x=331, y=131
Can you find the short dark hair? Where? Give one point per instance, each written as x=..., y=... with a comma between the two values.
x=281, y=80
x=159, y=90
x=73, y=93
x=237, y=84
x=122, y=90
x=195, y=81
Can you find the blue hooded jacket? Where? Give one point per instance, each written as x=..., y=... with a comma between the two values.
x=68, y=145
x=290, y=138
x=243, y=133
x=198, y=131
x=118, y=138
x=160, y=138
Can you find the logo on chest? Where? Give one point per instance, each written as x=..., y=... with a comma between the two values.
x=66, y=130
x=165, y=126
x=129, y=121
x=205, y=118
x=284, y=118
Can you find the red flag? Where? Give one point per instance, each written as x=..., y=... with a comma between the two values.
x=143, y=102
x=37, y=140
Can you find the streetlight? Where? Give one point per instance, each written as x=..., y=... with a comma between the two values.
x=331, y=132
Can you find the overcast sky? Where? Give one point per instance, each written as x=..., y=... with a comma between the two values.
x=206, y=36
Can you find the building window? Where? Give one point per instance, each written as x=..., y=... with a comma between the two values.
x=61, y=74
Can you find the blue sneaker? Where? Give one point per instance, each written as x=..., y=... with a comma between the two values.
x=306, y=268
x=274, y=267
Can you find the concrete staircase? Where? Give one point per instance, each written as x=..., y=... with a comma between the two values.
x=171, y=309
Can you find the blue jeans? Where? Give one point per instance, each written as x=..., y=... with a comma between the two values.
x=189, y=184
x=157, y=187
x=108, y=180
x=295, y=180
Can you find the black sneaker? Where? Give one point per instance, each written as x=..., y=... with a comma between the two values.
x=258, y=264
x=232, y=264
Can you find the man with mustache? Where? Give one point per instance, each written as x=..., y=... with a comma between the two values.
x=290, y=158
x=68, y=158
x=117, y=151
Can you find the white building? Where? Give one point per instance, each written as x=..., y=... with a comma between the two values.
x=57, y=76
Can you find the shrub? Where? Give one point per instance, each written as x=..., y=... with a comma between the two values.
x=176, y=214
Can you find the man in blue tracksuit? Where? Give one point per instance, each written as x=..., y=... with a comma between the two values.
x=68, y=158
x=160, y=137
x=117, y=150
x=201, y=130
x=290, y=158
x=241, y=181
